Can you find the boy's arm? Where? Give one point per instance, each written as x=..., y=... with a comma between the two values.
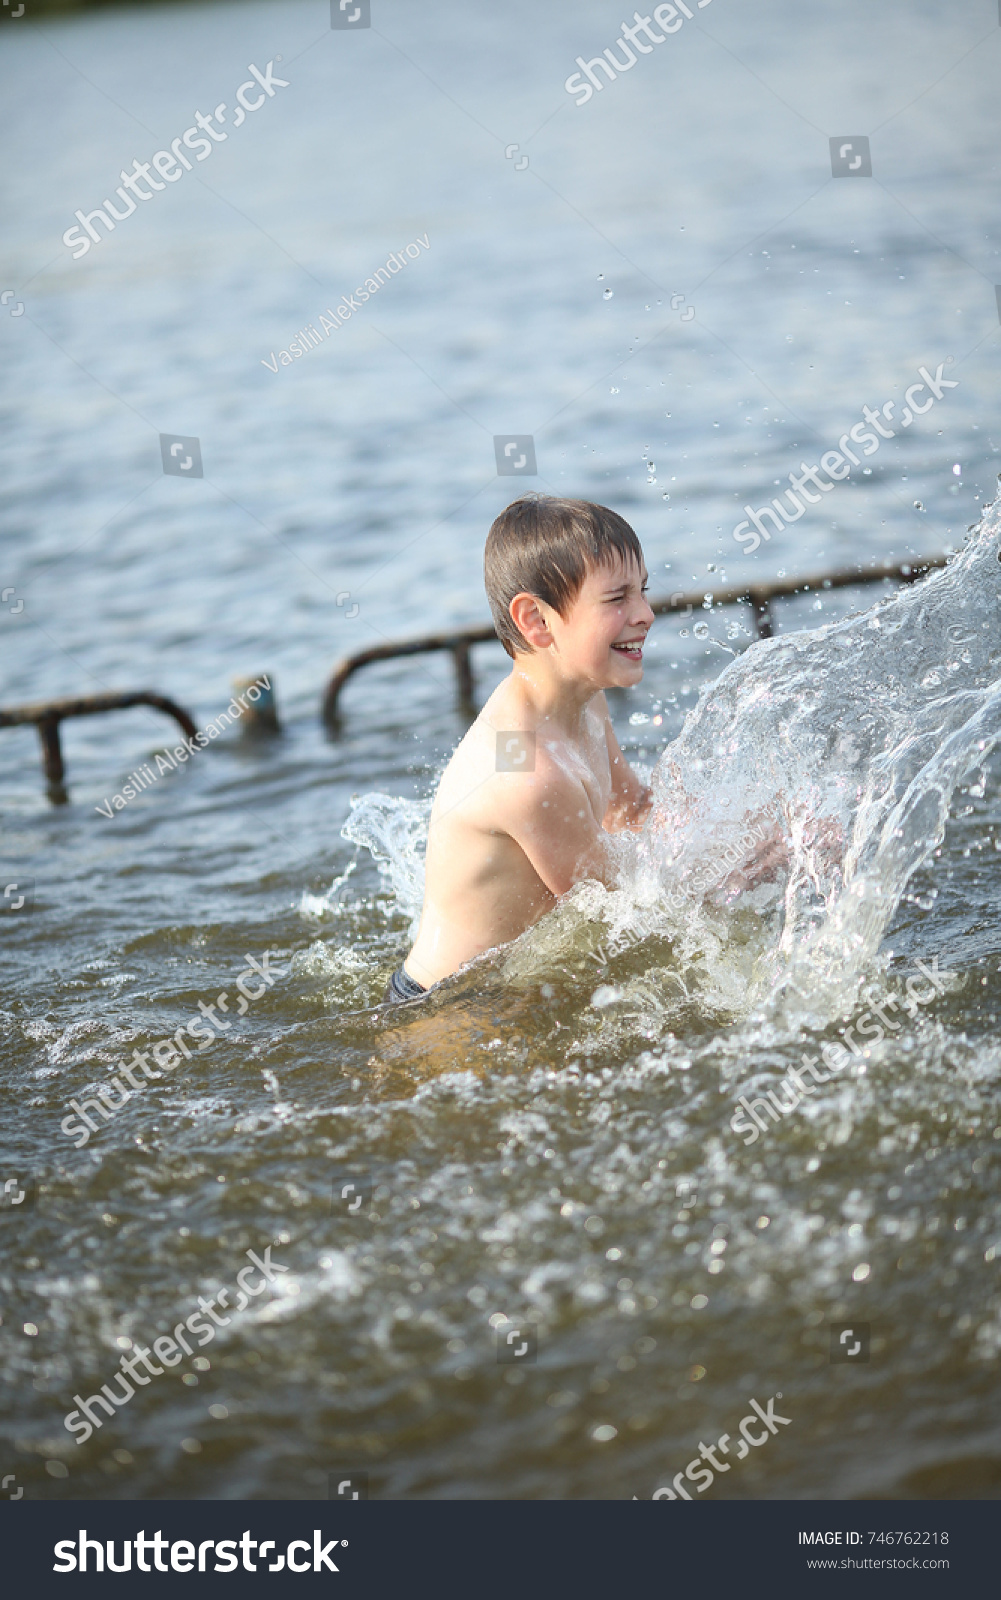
x=631, y=800
x=550, y=817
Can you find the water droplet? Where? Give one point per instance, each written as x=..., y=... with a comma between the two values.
x=701, y=630
x=606, y=294
x=684, y=633
x=957, y=470
x=600, y=276
x=613, y=391
x=710, y=566
x=918, y=506
x=665, y=497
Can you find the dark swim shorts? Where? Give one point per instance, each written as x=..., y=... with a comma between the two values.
x=402, y=987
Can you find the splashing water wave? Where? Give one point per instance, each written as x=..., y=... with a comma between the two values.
x=855, y=736
x=395, y=832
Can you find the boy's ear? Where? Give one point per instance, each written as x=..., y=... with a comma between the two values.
x=528, y=617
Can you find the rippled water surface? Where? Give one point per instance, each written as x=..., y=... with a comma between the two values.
x=547, y=1145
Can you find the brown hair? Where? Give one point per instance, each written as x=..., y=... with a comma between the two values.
x=545, y=546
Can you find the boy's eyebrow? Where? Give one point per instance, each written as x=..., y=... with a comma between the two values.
x=620, y=588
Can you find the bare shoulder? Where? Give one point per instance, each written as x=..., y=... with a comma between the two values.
x=499, y=774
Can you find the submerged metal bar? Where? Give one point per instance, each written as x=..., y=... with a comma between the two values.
x=458, y=643
x=48, y=714
x=759, y=595
x=762, y=613
x=463, y=673
x=52, y=752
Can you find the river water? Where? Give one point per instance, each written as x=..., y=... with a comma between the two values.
x=546, y=1152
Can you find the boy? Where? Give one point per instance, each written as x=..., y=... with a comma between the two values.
x=527, y=802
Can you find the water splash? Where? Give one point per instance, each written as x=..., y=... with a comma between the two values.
x=852, y=737
x=395, y=832
x=318, y=906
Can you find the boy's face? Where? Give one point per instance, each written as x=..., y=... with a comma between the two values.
x=601, y=640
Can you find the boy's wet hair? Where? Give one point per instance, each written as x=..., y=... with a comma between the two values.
x=545, y=546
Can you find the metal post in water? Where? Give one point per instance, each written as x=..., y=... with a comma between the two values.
x=52, y=760
x=762, y=613
x=463, y=674
x=261, y=714
x=48, y=714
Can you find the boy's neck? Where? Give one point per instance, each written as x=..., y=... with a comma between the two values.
x=551, y=696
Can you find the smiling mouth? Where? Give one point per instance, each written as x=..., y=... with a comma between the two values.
x=631, y=647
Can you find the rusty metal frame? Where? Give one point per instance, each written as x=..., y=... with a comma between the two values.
x=48, y=714
x=758, y=595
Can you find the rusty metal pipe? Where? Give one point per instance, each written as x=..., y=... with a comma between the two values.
x=52, y=753
x=759, y=595
x=48, y=714
x=92, y=704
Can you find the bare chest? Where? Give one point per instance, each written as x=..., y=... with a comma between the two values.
x=587, y=762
